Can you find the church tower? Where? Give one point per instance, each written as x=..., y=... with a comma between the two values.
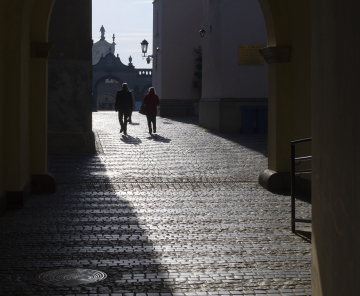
x=102, y=47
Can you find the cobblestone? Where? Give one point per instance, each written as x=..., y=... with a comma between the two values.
x=177, y=213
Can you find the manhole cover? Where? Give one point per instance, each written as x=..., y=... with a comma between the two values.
x=71, y=277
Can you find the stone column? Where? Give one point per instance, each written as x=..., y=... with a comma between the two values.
x=277, y=176
x=70, y=78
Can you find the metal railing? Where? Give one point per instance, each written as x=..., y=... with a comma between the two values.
x=296, y=161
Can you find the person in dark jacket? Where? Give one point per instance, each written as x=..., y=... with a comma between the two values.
x=133, y=108
x=123, y=105
x=151, y=101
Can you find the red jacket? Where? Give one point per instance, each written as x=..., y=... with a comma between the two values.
x=151, y=100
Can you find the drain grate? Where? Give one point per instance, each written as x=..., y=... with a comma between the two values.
x=71, y=277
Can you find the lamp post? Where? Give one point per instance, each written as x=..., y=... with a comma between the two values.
x=144, y=48
x=202, y=30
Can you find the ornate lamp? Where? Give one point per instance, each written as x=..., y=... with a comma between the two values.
x=202, y=30
x=144, y=47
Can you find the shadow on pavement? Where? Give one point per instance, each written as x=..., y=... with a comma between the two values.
x=130, y=140
x=158, y=138
x=89, y=223
x=254, y=141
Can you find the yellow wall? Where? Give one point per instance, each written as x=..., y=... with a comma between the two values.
x=16, y=81
x=2, y=27
x=288, y=24
x=318, y=89
x=23, y=90
x=38, y=91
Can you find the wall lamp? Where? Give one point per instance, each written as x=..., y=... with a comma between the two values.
x=144, y=48
x=202, y=30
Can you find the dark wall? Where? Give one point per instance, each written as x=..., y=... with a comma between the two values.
x=70, y=77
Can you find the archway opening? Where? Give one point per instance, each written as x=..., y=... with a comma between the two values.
x=118, y=27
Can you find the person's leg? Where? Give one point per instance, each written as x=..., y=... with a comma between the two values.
x=148, y=117
x=126, y=115
x=130, y=116
x=154, y=123
x=121, y=114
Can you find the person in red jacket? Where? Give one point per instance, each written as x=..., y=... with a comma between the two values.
x=151, y=101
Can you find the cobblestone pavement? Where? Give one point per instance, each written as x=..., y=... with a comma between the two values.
x=178, y=213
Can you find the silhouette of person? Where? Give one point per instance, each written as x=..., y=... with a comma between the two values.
x=123, y=105
x=151, y=101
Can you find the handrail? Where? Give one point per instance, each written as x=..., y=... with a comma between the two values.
x=297, y=172
x=301, y=141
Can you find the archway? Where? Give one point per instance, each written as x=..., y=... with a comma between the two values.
x=105, y=102
x=313, y=74
x=289, y=57
x=104, y=86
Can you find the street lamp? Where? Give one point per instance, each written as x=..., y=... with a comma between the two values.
x=202, y=30
x=144, y=48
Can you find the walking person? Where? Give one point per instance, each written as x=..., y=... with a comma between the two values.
x=123, y=105
x=151, y=101
x=132, y=109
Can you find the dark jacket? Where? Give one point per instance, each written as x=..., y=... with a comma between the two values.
x=124, y=100
x=151, y=101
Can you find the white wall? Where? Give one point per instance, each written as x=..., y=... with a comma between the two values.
x=234, y=23
x=179, y=24
x=157, y=42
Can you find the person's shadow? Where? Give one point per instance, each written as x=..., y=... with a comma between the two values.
x=130, y=140
x=158, y=138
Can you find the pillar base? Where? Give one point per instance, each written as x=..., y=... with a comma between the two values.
x=281, y=182
x=16, y=199
x=42, y=184
x=275, y=181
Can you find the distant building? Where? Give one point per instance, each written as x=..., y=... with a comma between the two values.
x=102, y=47
x=109, y=73
x=215, y=74
x=175, y=37
x=234, y=74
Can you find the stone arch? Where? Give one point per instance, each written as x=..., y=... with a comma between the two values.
x=96, y=85
x=105, y=101
x=289, y=57
x=277, y=22
x=104, y=78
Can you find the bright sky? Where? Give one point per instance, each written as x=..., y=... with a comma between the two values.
x=130, y=20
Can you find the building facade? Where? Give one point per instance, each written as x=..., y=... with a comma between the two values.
x=101, y=48
x=234, y=75
x=109, y=73
x=174, y=42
